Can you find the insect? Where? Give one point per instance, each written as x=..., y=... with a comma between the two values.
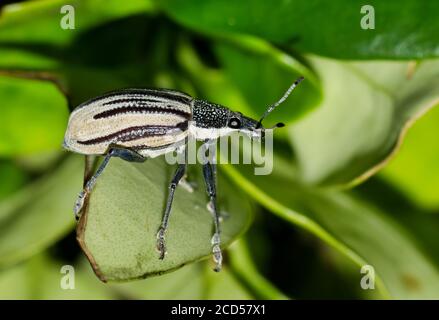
x=136, y=124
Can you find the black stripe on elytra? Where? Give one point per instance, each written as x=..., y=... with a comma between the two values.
x=135, y=133
x=142, y=109
x=128, y=100
x=169, y=96
x=173, y=95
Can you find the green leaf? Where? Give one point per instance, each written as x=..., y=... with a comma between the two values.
x=12, y=178
x=118, y=232
x=195, y=281
x=237, y=280
x=244, y=269
x=358, y=230
x=225, y=286
x=16, y=27
x=254, y=75
x=187, y=282
x=422, y=224
x=34, y=116
x=38, y=215
x=68, y=57
x=46, y=276
x=403, y=29
x=414, y=169
x=14, y=284
x=40, y=278
x=262, y=74
x=362, y=120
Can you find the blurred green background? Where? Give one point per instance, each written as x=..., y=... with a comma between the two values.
x=356, y=173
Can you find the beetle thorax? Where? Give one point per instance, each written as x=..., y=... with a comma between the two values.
x=209, y=120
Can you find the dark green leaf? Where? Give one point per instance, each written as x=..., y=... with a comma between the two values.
x=403, y=29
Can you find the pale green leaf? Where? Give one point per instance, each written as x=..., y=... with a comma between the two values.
x=360, y=231
x=365, y=112
x=34, y=116
x=125, y=213
x=39, y=214
x=414, y=169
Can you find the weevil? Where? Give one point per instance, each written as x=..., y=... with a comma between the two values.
x=137, y=124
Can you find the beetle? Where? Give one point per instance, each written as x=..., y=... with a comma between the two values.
x=136, y=124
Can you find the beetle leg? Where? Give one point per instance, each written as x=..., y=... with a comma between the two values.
x=209, y=173
x=189, y=186
x=179, y=173
x=89, y=186
x=124, y=154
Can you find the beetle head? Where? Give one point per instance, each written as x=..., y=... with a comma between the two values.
x=213, y=120
x=253, y=128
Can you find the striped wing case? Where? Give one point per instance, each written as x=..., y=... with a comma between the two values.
x=145, y=120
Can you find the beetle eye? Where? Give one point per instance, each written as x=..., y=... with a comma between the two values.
x=234, y=123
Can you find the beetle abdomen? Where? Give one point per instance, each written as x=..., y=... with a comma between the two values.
x=140, y=119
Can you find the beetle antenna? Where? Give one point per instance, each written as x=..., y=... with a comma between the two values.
x=281, y=100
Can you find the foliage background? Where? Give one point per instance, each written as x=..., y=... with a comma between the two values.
x=302, y=232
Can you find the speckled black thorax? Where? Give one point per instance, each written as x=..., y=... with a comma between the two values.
x=209, y=115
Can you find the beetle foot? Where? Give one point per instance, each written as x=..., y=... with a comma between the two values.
x=216, y=251
x=161, y=243
x=79, y=204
